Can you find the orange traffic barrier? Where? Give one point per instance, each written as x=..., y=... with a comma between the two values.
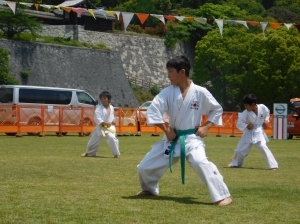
x=38, y=120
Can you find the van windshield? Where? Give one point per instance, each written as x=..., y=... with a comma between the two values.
x=6, y=95
x=45, y=96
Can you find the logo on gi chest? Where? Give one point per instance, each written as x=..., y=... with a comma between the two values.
x=194, y=105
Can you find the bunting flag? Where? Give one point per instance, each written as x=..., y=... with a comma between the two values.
x=37, y=6
x=118, y=14
x=79, y=11
x=142, y=17
x=201, y=20
x=220, y=25
x=288, y=25
x=253, y=23
x=12, y=6
x=244, y=23
x=210, y=21
x=67, y=9
x=160, y=17
x=172, y=18
x=274, y=25
x=127, y=17
x=111, y=13
x=232, y=22
x=191, y=19
x=297, y=26
x=92, y=12
x=101, y=12
x=180, y=18
x=263, y=26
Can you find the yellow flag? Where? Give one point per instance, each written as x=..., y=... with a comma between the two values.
x=92, y=12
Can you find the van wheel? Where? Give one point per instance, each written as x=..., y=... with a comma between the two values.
x=86, y=122
x=10, y=134
x=289, y=136
x=34, y=121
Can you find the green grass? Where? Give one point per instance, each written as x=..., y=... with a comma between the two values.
x=44, y=180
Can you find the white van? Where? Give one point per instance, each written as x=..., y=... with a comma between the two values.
x=31, y=98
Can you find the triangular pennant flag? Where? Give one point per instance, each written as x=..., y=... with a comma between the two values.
x=118, y=14
x=142, y=17
x=172, y=18
x=92, y=12
x=263, y=26
x=100, y=12
x=180, y=18
x=232, y=22
x=127, y=17
x=288, y=25
x=111, y=13
x=242, y=23
x=220, y=25
x=47, y=6
x=274, y=25
x=37, y=6
x=253, y=23
x=201, y=20
x=191, y=19
x=67, y=9
x=297, y=26
x=24, y=3
x=160, y=17
x=12, y=6
x=79, y=11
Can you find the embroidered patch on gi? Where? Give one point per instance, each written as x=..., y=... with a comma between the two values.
x=261, y=116
x=167, y=151
x=194, y=105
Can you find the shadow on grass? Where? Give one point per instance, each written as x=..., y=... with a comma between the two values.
x=249, y=168
x=184, y=200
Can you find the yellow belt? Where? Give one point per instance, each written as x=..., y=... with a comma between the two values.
x=107, y=128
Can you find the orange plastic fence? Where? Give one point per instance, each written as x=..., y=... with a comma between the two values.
x=39, y=120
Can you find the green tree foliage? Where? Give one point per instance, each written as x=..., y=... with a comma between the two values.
x=5, y=78
x=241, y=62
x=283, y=15
x=291, y=5
x=12, y=25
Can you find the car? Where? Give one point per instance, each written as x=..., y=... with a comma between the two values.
x=145, y=105
x=293, y=122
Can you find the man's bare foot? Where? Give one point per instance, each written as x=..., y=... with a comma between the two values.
x=224, y=202
x=145, y=193
x=230, y=166
x=116, y=156
x=84, y=154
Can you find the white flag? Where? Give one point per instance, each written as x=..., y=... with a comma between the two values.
x=127, y=17
x=288, y=25
x=220, y=25
x=160, y=17
x=12, y=6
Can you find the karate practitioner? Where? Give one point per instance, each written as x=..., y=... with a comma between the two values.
x=104, y=118
x=185, y=103
x=252, y=123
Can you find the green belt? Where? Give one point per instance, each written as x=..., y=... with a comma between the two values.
x=180, y=134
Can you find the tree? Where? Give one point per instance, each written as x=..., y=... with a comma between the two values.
x=13, y=25
x=5, y=78
x=283, y=15
x=241, y=62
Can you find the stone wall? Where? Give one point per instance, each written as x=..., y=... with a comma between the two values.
x=71, y=67
x=142, y=57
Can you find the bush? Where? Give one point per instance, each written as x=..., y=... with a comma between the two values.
x=25, y=74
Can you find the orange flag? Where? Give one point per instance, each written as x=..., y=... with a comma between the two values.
x=142, y=17
x=274, y=25
x=67, y=9
x=253, y=23
x=170, y=17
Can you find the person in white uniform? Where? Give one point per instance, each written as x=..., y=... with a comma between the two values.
x=104, y=118
x=252, y=122
x=185, y=103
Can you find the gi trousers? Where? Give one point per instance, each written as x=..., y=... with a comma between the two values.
x=155, y=164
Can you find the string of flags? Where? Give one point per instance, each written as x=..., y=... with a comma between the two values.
x=127, y=16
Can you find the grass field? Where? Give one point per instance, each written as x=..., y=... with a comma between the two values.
x=44, y=180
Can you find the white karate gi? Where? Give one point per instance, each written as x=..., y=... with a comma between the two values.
x=100, y=116
x=183, y=114
x=256, y=136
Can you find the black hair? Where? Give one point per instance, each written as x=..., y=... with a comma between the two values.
x=180, y=62
x=249, y=99
x=106, y=94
